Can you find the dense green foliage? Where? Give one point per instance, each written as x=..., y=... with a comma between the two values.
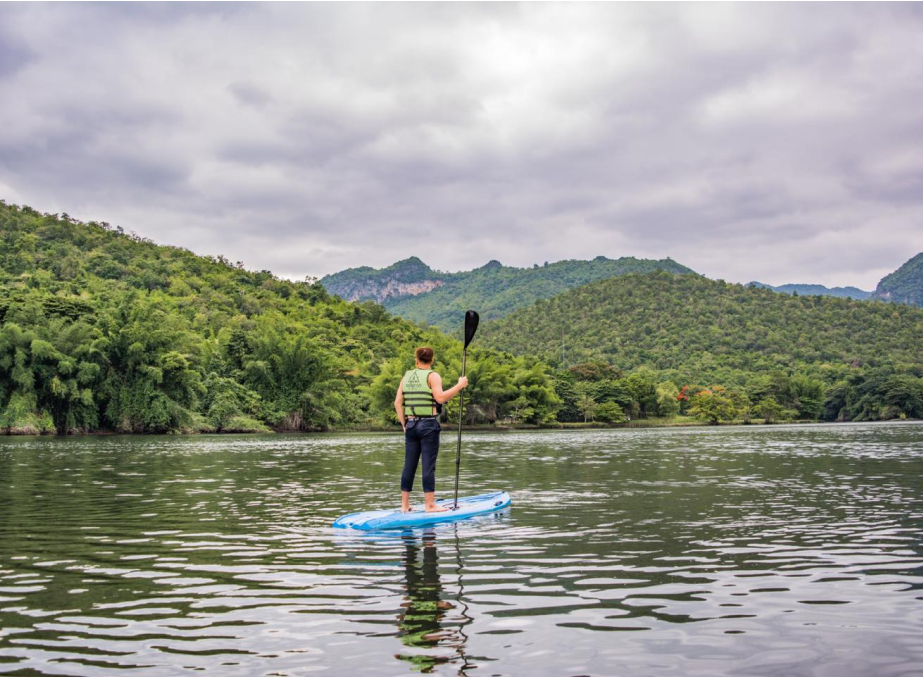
x=816, y=290
x=904, y=285
x=106, y=331
x=735, y=352
x=100, y=330
x=494, y=290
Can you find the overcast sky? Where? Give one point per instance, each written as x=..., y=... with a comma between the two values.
x=782, y=142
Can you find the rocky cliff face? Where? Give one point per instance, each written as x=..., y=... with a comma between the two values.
x=386, y=289
x=405, y=278
x=904, y=285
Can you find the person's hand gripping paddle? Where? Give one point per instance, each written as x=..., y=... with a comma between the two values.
x=471, y=326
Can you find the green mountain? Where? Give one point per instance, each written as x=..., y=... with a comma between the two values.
x=414, y=291
x=904, y=285
x=816, y=290
x=102, y=330
x=693, y=331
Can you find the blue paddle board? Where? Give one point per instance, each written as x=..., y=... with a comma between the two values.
x=468, y=506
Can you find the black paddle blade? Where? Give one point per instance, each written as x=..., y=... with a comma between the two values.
x=471, y=325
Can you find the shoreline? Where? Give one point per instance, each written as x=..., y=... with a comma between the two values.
x=679, y=422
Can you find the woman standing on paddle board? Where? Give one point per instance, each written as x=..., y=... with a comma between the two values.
x=417, y=396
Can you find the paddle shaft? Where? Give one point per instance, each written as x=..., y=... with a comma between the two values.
x=461, y=413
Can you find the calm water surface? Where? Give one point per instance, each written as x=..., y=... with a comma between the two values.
x=731, y=551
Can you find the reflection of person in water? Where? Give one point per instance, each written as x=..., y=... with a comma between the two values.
x=421, y=621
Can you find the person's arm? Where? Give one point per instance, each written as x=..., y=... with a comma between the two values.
x=399, y=405
x=443, y=396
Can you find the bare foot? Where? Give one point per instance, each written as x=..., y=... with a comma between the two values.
x=407, y=509
x=435, y=508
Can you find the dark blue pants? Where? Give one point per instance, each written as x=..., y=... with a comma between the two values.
x=421, y=438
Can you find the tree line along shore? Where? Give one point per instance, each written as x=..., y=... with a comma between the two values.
x=105, y=331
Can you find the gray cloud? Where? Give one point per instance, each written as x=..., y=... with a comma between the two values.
x=753, y=141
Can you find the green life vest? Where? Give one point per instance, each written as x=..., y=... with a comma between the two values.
x=418, y=396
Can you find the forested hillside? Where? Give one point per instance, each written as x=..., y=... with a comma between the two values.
x=813, y=356
x=904, y=285
x=102, y=330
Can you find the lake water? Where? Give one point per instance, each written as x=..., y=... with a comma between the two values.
x=783, y=550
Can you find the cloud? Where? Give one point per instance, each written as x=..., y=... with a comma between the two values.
x=748, y=141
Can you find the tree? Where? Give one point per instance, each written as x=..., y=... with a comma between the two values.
x=808, y=396
x=229, y=405
x=610, y=412
x=534, y=383
x=384, y=388
x=667, y=399
x=903, y=395
x=643, y=386
x=713, y=405
x=586, y=405
x=769, y=409
x=613, y=390
x=52, y=367
x=742, y=405
x=490, y=388
x=519, y=409
x=565, y=387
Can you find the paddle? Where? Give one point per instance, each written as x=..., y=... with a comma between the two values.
x=471, y=326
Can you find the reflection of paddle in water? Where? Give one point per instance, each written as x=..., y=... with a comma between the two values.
x=423, y=622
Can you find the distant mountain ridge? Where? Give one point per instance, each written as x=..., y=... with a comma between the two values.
x=816, y=290
x=904, y=285
x=416, y=292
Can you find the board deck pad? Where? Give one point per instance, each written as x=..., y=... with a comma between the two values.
x=469, y=506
